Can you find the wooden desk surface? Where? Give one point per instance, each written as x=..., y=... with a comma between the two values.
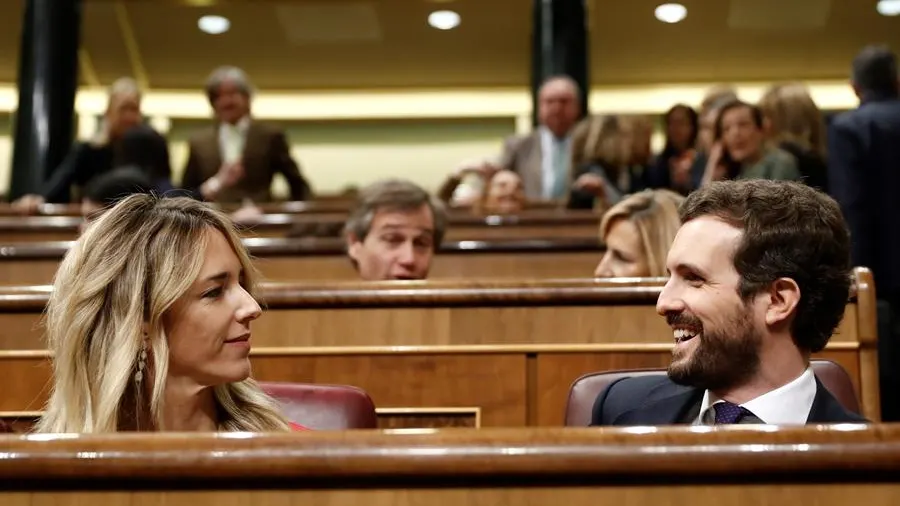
x=744, y=465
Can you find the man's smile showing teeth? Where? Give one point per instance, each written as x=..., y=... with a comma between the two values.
x=683, y=335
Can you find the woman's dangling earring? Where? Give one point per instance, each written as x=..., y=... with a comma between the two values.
x=142, y=360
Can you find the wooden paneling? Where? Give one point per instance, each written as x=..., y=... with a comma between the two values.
x=460, y=227
x=326, y=260
x=489, y=386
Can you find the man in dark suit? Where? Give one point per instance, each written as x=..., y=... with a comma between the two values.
x=236, y=159
x=864, y=175
x=759, y=279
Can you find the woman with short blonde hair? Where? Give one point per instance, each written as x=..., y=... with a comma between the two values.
x=638, y=232
x=148, y=323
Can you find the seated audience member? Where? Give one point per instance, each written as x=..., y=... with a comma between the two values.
x=88, y=159
x=601, y=151
x=638, y=134
x=637, y=233
x=236, y=159
x=394, y=230
x=106, y=190
x=795, y=125
x=542, y=157
x=672, y=168
x=466, y=184
x=144, y=148
x=740, y=150
x=712, y=102
x=149, y=326
x=505, y=194
x=759, y=280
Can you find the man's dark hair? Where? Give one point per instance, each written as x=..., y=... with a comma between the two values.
x=789, y=231
x=109, y=188
x=145, y=148
x=875, y=71
x=394, y=195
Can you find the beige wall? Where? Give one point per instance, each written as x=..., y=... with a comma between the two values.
x=335, y=154
x=346, y=138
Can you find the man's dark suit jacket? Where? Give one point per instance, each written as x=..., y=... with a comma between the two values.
x=656, y=400
x=265, y=154
x=864, y=177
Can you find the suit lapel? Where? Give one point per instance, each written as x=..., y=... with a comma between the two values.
x=533, y=171
x=672, y=408
x=826, y=409
x=210, y=145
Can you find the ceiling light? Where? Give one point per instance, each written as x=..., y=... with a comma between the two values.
x=214, y=24
x=671, y=13
x=888, y=7
x=443, y=20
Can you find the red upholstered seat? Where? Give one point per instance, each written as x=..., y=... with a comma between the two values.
x=584, y=390
x=324, y=407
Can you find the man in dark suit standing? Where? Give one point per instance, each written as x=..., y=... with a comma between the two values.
x=864, y=167
x=236, y=159
x=759, y=279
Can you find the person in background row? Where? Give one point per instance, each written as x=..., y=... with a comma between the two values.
x=740, y=150
x=542, y=157
x=504, y=194
x=601, y=151
x=795, y=124
x=467, y=184
x=637, y=233
x=149, y=326
x=715, y=98
x=864, y=177
x=760, y=277
x=672, y=168
x=236, y=159
x=394, y=231
x=96, y=156
x=105, y=190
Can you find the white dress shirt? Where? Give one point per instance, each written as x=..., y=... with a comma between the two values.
x=556, y=157
x=786, y=405
x=232, y=139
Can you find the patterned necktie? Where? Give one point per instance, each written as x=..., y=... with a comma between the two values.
x=728, y=413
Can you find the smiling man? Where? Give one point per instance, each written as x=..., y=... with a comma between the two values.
x=394, y=231
x=759, y=279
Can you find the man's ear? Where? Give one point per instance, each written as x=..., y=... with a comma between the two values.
x=353, y=246
x=784, y=296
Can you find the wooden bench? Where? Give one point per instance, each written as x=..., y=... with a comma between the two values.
x=325, y=259
x=446, y=354
x=744, y=466
x=461, y=227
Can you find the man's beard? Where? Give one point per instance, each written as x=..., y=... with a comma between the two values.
x=723, y=358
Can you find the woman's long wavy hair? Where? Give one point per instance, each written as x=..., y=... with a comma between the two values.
x=115, y=284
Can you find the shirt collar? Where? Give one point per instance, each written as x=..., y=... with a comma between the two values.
x=786, y=405
x=241, y=126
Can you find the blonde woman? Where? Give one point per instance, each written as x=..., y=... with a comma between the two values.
x=602, y=148
x=638, y=232
x=149, y=325
x=88, y=159
x=795, y=124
